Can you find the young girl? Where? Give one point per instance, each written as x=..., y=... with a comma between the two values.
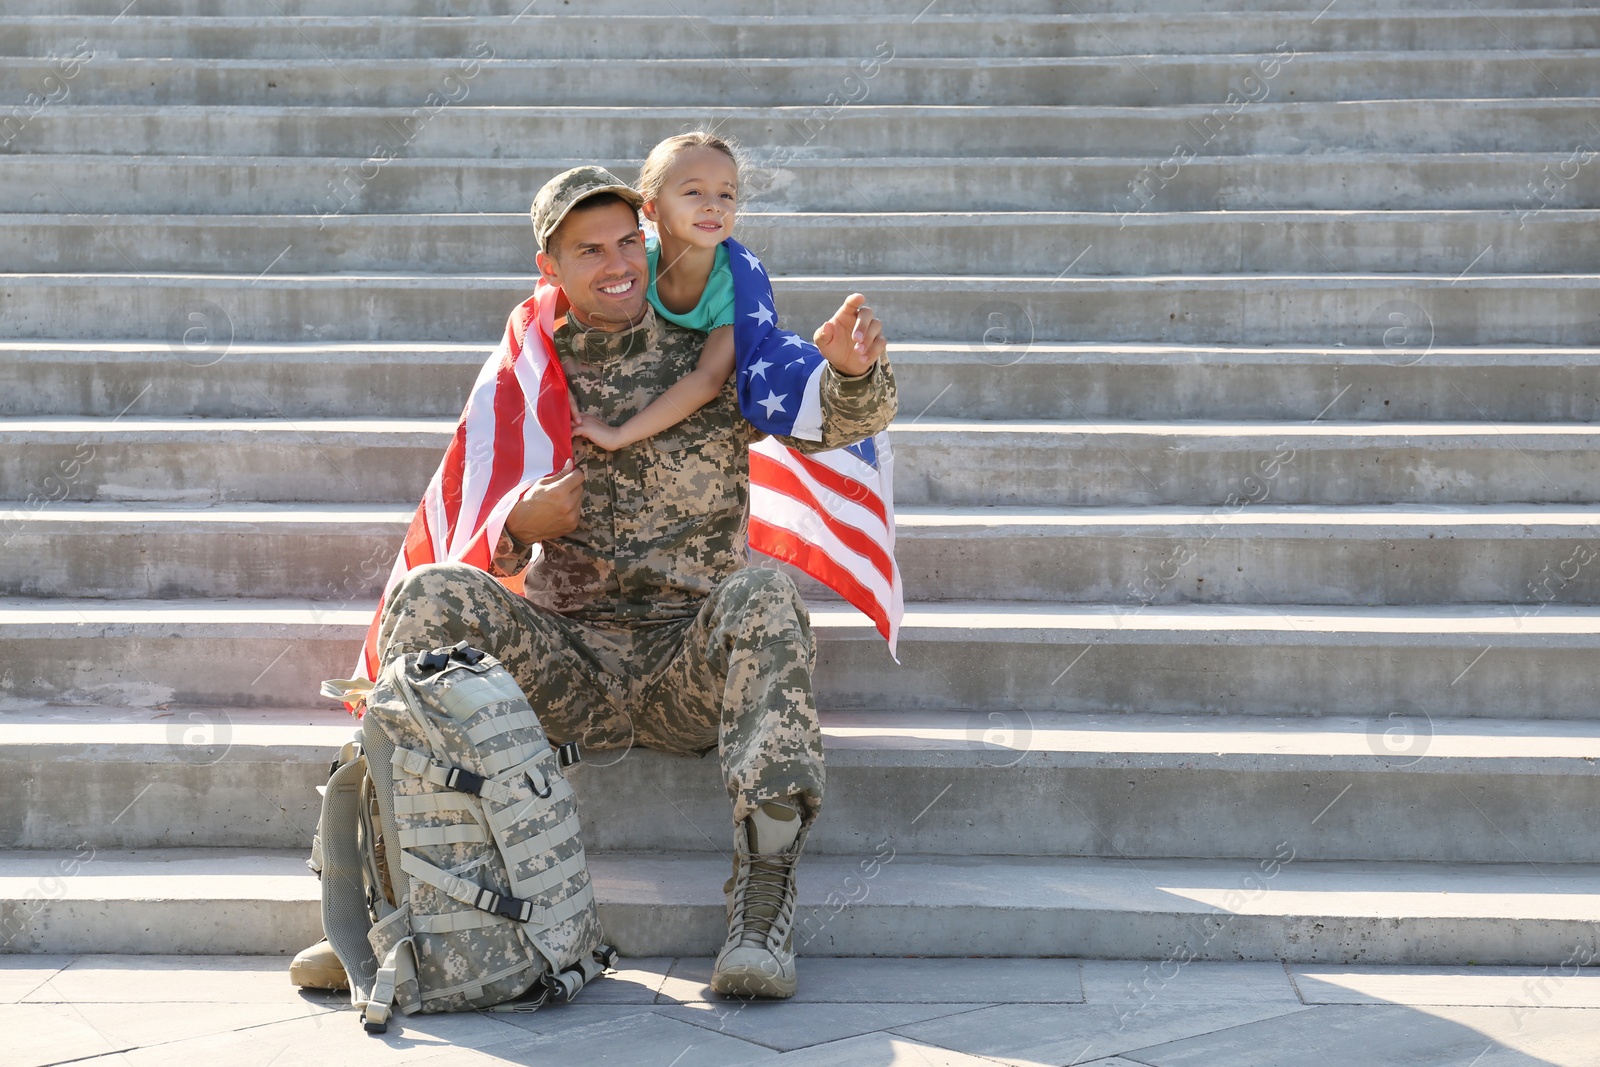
x=690, y=185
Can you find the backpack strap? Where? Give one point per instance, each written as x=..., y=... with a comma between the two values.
x=345, y=918
x=513, y=908
x=399, y=966
x=562, y=986
x=445, y=777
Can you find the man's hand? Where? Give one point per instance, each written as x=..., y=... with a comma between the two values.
x=549, y=508
x=853, y=339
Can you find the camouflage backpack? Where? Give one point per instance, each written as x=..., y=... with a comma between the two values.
x=453, y=877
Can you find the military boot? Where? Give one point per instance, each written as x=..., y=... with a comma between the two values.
x=758, y=958
x=318, y=968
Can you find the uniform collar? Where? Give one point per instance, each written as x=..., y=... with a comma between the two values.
x=597, y=346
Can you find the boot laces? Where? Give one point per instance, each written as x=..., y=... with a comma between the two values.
x=763, y=900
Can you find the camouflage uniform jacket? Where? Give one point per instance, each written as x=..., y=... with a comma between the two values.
x=663, y=520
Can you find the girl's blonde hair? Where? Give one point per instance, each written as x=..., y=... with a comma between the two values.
x=654, y=172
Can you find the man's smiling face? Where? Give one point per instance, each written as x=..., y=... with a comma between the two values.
x=597, y=257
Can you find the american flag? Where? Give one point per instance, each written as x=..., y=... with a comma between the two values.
x=515, y=429
x=832, y=515
x=829, y=513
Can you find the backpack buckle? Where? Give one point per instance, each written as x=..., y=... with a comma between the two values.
x=464, y=781
x=508, y=907
x=439, y=658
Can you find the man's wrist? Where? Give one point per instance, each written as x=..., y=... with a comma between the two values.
x=854, y=378
x=510, y=555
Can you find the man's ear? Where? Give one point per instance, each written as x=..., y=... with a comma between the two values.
x=549, y=269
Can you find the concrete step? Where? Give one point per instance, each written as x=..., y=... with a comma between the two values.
x=1396, y=554
x=712, y=80
x=327, y=186
x=946, y=9
x=943, y=462
x=1445, y=661
x=670, y=36
x=1146, y=243
x=406, y=379
x=774, y=135
x=1047, y=784
x=1276, y=907
x=1087, y=381
x=1408, y=312
x=995, y=381
x=1143, y=462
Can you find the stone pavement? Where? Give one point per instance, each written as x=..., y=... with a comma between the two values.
x=222, y=1011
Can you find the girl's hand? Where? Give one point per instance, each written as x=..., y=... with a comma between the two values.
x=593, y=428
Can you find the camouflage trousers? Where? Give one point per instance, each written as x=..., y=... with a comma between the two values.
x=736, y=677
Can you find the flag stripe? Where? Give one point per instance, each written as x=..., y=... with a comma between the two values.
x=853, y=510
x=768, y=473
x=836, y=508
x=510, y=457
x=465, y=473
x=489, y=455
x=789, y=547
x=842, y=484
x=450, y=475
x=537, y=439
x=553, y=412
x=807, y=526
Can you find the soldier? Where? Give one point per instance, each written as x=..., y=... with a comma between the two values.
x=640, y=623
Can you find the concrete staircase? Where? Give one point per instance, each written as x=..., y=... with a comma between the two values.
x=1248, y=487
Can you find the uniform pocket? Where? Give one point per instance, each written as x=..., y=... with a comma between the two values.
x=696, y=475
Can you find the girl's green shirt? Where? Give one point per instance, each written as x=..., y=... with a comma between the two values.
x=716, y=303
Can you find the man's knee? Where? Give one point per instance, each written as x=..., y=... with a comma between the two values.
x=758, y=583
x=446, y=582
x=761, y=594
x=438, y=603
x=761, y=608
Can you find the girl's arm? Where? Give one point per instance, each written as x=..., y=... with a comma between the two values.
x=683, y=398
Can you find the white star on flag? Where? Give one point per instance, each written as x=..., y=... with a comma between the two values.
x=773, y=402
x=793, y=341
x=762, y=314
x=750, y=258
x=758, y=369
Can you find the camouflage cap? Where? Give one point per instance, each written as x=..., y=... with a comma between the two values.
x=566, y=190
